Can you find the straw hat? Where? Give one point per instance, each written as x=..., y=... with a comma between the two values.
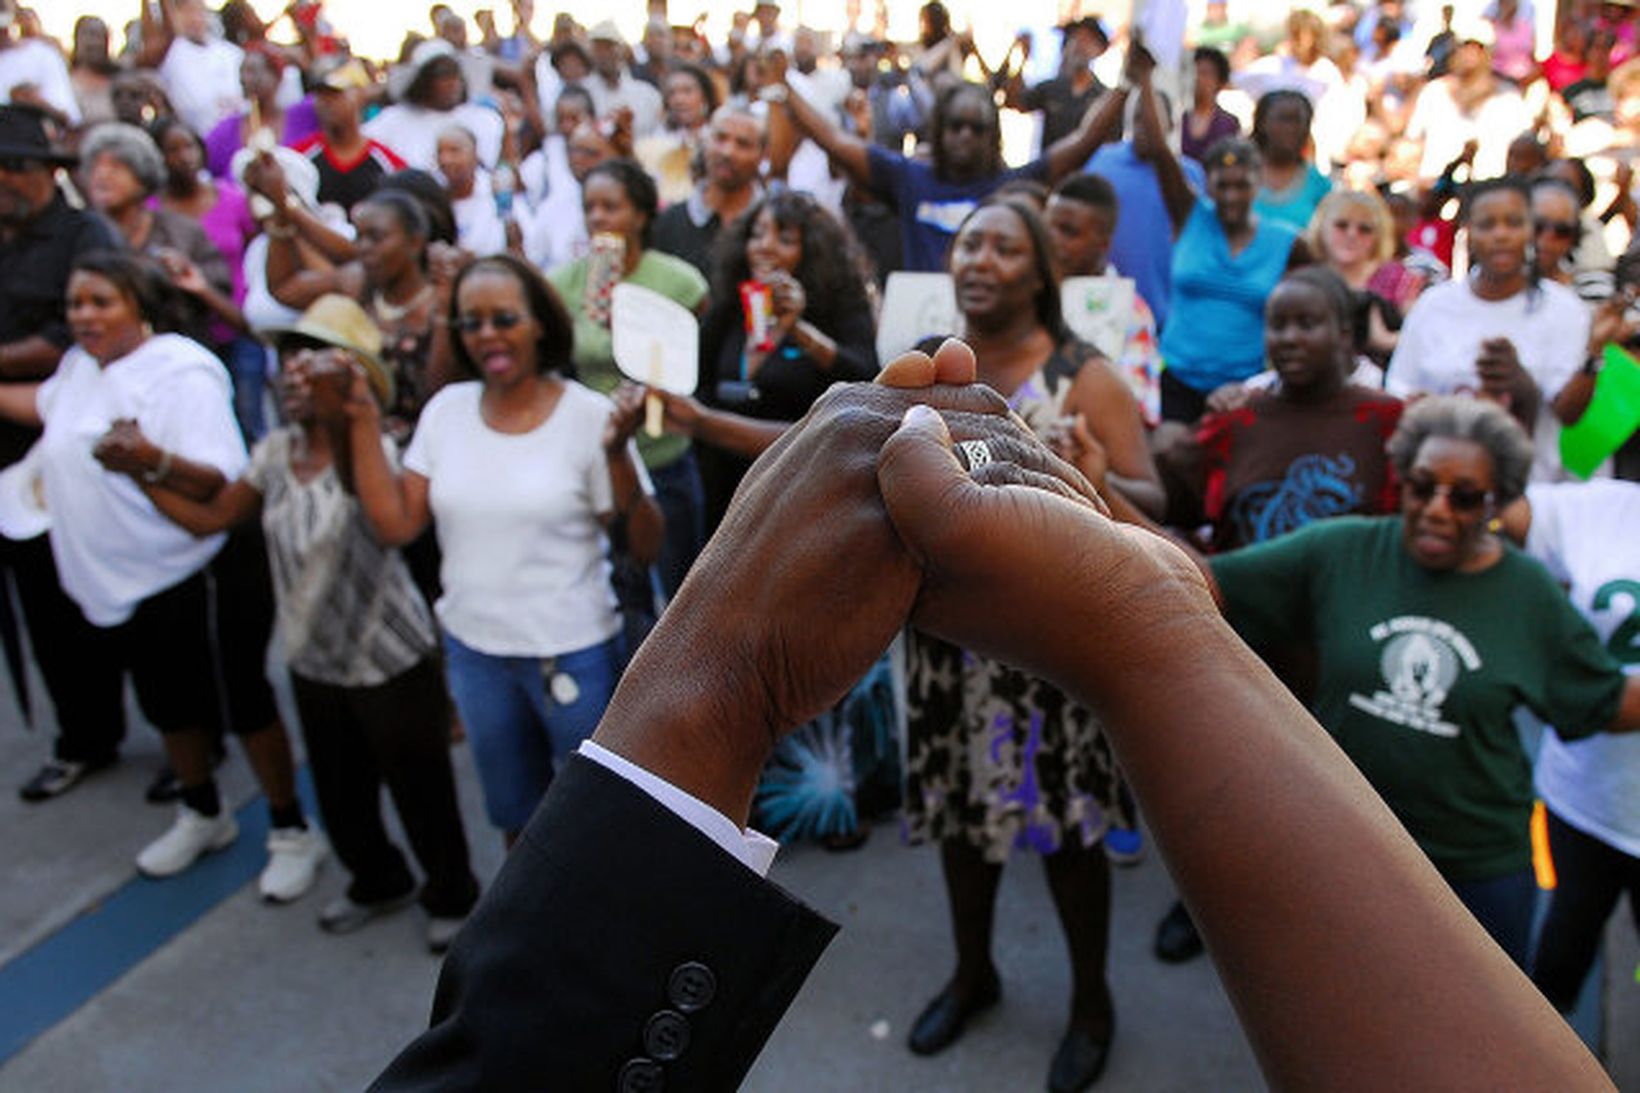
x=337, y=320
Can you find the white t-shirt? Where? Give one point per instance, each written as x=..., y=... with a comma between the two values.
x=1444, y=128
x=479, y=229
x=1588, y=535
x=526, y=568
x=413, y=132
x=113, y=548
x=32, y=61
x=203, y=81
x=1442, y=337
x=555, y=233
x=641, y=98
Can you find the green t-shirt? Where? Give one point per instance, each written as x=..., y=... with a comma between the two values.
x=594, y=354
x=1421, y=672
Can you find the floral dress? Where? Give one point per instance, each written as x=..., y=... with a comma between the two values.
x=995, y=757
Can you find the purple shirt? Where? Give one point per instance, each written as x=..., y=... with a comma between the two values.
x=1224, y=124
x=228, y=136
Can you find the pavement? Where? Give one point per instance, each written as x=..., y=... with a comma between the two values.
x=109, y=981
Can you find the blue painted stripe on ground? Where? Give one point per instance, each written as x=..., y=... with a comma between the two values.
x=62, y=972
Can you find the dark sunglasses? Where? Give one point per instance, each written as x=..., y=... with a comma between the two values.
x=978, y=128
x=501, y=320
x=1560, y=229
x=1459, y=498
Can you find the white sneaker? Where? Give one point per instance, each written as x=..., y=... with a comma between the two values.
x=190, y=836
x=294, y=857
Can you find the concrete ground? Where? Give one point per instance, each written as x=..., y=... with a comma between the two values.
x=111, y=982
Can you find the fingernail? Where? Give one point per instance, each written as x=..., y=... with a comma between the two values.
x=918, y=415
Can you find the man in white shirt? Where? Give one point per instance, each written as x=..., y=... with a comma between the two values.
x=32, y=72
x=612, y=84
x=200, y=73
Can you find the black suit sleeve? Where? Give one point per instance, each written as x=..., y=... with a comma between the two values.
x=617, y=946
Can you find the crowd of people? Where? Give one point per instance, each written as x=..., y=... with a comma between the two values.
x=305, y=348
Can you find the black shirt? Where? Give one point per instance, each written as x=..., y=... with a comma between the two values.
x=347, y=184
x=1062, y=108
x=680, y=231
x=34, y=266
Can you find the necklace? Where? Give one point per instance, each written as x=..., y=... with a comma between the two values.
x=392, y=313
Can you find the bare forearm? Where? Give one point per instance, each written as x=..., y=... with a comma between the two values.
x=743, y=436
x=1146, y=495
x=19, y=402
x=29, y=358
x=1099, y=124
x=1574, y=398
x=1352, y=920
x=1628, y=711
x=380, y=491
x=844, y=150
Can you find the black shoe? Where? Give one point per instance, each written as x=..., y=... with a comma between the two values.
x=941, y=1023
x=1176, y=937
x=1079, y=1061
x=57, y=777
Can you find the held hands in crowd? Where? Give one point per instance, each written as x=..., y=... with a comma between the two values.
x=123, y=449
x=859, y=517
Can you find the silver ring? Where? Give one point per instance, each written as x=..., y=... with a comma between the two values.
x=976, y=453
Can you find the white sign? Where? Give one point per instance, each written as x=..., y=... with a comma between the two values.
x=657, y=340
x=915, y=306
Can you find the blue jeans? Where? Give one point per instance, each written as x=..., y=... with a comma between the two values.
x=683, y=502
x=523, y=714
x=247, y=361
x=1504, y=906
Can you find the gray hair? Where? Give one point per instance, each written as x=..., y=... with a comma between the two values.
x=132, y=147
x=1479, y=421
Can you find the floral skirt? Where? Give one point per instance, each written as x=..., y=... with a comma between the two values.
x=1000, y=759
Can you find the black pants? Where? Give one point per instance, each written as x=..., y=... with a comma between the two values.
x=1589, y=877
x=397, y=733
x=84, y=682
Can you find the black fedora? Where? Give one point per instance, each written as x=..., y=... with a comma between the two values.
x=24, y=135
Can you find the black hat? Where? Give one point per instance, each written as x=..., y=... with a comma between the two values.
x=1090, y=23
x=24, y=135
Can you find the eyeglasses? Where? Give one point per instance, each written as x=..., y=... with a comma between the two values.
x=978, y=128
x=1351, y=226
x=501, y=320
x=1560, y=229
x=1459, y=498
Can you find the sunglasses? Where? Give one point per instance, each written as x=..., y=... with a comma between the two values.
x=1560, y=229
x=978, y=128
x=1459, y=498
x=1350, y=226
x=501, y=320
x=16, y=165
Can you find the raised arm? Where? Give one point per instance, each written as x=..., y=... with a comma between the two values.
x=1102, y=123
x=156, y=33
x=1177, y=195
x=394, y=504
x=846, y=151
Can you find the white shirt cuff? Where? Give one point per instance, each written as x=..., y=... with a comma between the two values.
x=753, y=849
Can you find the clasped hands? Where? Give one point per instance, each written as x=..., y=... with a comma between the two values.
x=860, y=519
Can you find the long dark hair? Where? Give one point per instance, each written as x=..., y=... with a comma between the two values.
x=708, y=89
x=831, y=271
x=554, y=349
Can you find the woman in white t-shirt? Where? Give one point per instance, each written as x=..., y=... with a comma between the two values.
x=1502, y=332
x=522, y=473
x=1585, y=532
x=128, y=404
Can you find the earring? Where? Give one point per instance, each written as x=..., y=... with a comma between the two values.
x=147, y=329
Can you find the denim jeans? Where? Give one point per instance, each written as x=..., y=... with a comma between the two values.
x=247, y=361
x=1504, y=906
x=524, y=714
